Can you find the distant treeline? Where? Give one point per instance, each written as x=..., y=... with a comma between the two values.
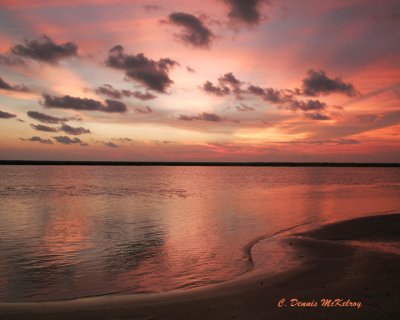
x=209, y=164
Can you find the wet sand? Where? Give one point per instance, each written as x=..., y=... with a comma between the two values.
x=357, y=261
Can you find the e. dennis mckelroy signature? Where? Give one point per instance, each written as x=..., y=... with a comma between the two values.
x=325, y=303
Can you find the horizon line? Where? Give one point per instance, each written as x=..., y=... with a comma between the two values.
x=199, y=163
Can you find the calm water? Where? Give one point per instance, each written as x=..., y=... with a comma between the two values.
x=68, y=232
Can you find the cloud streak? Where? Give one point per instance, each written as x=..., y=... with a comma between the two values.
x=45, y=118
x=68, y=141
x=109, y=91
x=38, y=139
x=41, y=127
x=64, y=128
x=83, y=104
x=205, y=116
x=342, y=141
x=73, y=130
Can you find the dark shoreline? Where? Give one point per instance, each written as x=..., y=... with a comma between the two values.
x=194, y=164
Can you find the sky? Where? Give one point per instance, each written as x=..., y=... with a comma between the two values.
x=210, y=80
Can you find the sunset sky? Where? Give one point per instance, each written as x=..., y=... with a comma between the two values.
x=210, y=80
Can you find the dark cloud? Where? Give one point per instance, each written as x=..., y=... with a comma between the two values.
x=245, y=11
x=144, y=110
x=39, y=139
x=203, y=116
x=270, y=94
x=256, y=90
x=244, y=108
x=45, y=50
x=6, y=86
x=143, y=96
x=74, y=131
x=152, y=74
x=110, y=144
x=286, y=99
x=45, y=118
x=68, y=140
x=6, y=115
x=316, y=116
x=110, y=91
x=309, y=105
x=44, y=128
x=68, y=102
x=276, y=96
x=189, y=69
x=11, y=60
x=114, y=106
x=317, y=83
x=194, y=31
x=283, y=98
x=215, y=90
x=230, y=79
x=227, y=83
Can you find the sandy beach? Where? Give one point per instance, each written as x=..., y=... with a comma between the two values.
x=348, y=270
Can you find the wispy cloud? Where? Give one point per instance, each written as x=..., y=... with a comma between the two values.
x=38, y=139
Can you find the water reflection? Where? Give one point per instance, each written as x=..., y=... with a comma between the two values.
x=128, y=256
x=68, y=232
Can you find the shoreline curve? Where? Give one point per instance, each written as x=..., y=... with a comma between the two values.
x=348, y=266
